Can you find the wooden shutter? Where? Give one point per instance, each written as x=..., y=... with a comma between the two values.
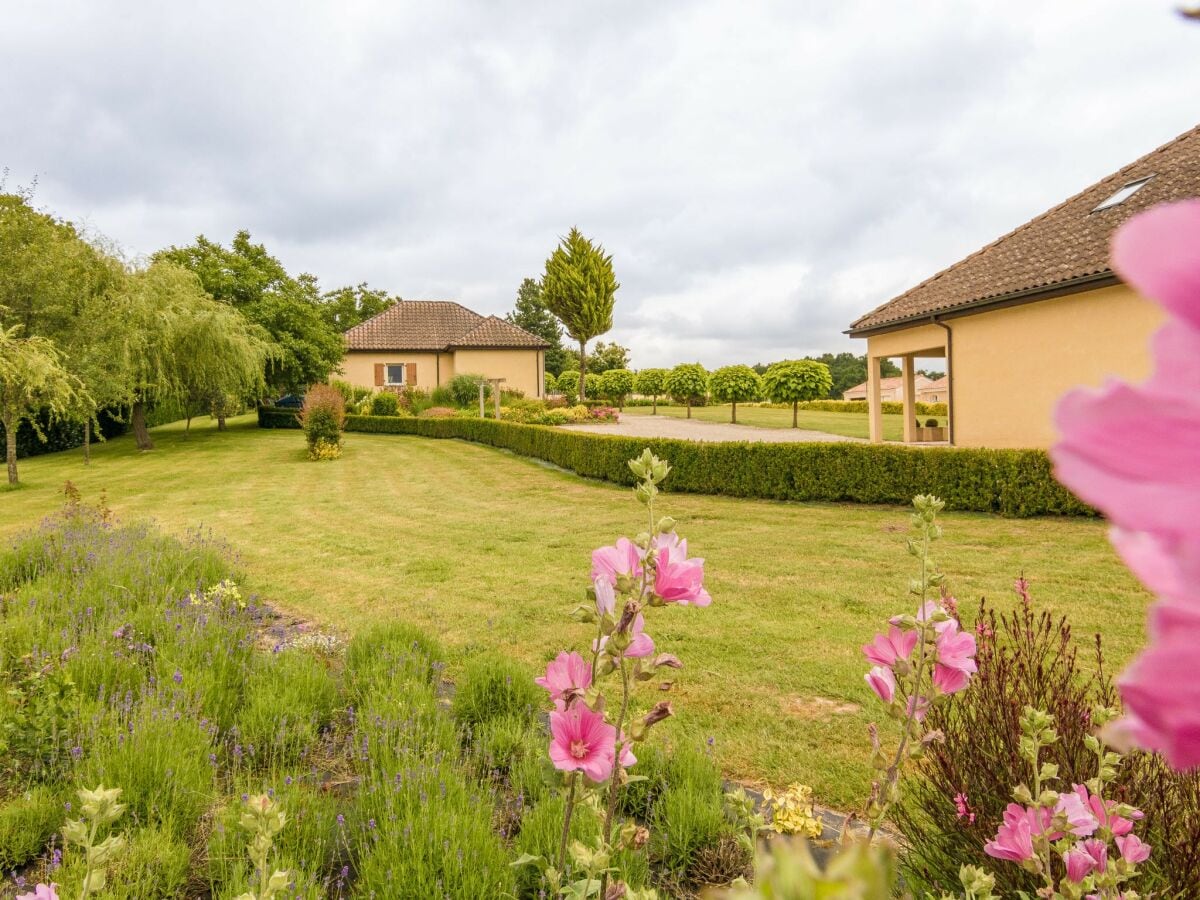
x=410, y=374
x=379, y=374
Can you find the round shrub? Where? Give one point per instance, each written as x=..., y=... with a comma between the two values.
x=796, y=380
x=464, y=389
x=931, y=423
x=385, y=403
x=688, y=383
x=591, y=384
x=734, y=385
x=549, y=383
x=616, y=385
x=323, y=416
x=651, y=383
x=387, y=652
x=494, y=687
x=568, y=383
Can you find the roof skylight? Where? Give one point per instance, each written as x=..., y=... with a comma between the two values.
x=1123, y=194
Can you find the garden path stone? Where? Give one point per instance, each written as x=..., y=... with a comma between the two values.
x=696, y=430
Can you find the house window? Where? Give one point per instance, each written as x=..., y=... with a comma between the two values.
x=395, y=373
x=1123, y=194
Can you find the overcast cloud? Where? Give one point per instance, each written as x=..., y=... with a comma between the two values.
x=762, y=172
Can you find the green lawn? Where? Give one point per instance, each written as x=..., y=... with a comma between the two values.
x=485, y=549
x=848, y=424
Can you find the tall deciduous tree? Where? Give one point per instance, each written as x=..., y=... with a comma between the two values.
x=795, y=381
x=348, y=306
x=32, y=379
x=734, y=385
x=530, y=313
x=580, y=289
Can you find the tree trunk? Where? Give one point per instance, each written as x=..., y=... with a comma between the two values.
x=733, y=413
x=10, y=442
x=582, y=369
x=87, y=442
x=187, y=424
x=795, y=414
x=141, y=434
x=221, y=422
x=655, y=413
x=689, y=403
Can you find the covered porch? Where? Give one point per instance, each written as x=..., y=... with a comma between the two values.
x=911, y=347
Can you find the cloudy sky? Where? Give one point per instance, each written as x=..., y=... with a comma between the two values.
x=761, y=172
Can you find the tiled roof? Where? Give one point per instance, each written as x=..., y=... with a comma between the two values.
x=892, y=381
x=1068, y=243
x=436, y=325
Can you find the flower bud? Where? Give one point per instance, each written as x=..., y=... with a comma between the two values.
x=662, y=710
x=666, y=523
x=667, y=660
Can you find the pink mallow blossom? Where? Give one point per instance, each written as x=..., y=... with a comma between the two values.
x=1078, y=813
x=1014, y=838
x=1080, y=864
x=582, y=741
x=1134, y=452
x=610, y=563
x=1103, y=811
x=887, y=648
x=680, y=580
x=606, y=595
x=567, y=675
x=41, y=892
x=883, y=682
x=1133, y=849
x=640, y=643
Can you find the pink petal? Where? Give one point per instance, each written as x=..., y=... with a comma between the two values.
x=1158, y=254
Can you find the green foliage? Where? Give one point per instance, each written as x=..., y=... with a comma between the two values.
x=1010, y=482
x=27, y=822
x=385, y=403
x=591, y=384
x=638, y=798
x=289, y=700
x=464, y=390
x=154, y=863
x=494, y=687
x=687, y=383
x=735, y=384
x=858, y=407
x=549, y=382
x=607, y=356
x=531, y=314
x=616, y=385
x=797, y=380
x=689, y=815
x=651, y=382
x=278, y=417
x=579, y=288
x=323, y=416
x=348, y=306
x=384, y=653
x=568, y=383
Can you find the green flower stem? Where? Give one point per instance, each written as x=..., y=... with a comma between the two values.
x=87, y=876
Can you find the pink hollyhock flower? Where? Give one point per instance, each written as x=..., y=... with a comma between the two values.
x=962, y=809
x=582, y=741
x=606, y=595
x=41, y=892
x=1133, y=849
x=1097, y=850
x=883, y=682
x=670, y=540
x=1078, y=812
x=918, y=707
x=625, y=558
x=640, y=643
x=887, y=648
x=567, y=675
x=955, y=658
x=948, y=680
x=1080, y=864
x=680, y=580
x=1014, y=838
x=626, y=757
x=1103, y=811
x=1162, y=700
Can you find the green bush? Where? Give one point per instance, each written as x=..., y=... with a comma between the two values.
x=495, y=687
x=860, y=407
x=388, y=652
x=290, y=698
x=385, y=403
x=322, y=418
x=616, y=385
x=688, y=384
x=591, y=385
x=27, y=822
x=688, y=817
x=638, y=798
x=568, y=384
x=734, y=385
x=1010, y=482
x=464, y=390
x=278, y=417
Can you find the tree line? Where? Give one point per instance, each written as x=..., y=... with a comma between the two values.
x=201, y=328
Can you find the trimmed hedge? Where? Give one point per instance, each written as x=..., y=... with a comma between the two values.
x=887, y=407
x=278, y=417
x=61, y=434
x=1010, y=482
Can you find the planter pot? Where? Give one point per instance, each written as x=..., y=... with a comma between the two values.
x=931, y=435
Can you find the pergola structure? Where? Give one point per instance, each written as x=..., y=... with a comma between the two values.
x=932, y=341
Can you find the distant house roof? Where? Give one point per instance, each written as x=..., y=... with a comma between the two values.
x=437, y=325
x=890, y=383
x=938, y=384
x=1061, y=250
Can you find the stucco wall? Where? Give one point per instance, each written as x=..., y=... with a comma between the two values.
x=1010, y=366
x=521, y=369
x=358, y=367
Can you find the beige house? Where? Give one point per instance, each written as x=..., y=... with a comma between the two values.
x=1033, y=314
x=936, y=391
x=425, y=343
x=891, y=390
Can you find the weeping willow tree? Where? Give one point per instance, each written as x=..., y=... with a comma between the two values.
x=32, y=380
x=182, y=346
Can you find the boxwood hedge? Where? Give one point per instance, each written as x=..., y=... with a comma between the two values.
x=1010, y=482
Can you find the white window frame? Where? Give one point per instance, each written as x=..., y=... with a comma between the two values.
x=1123, y=193
x=387, y=374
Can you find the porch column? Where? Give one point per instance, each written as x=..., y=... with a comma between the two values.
x=907, y=366
x=874, y=401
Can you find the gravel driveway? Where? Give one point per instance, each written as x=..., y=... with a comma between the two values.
x=695, y=430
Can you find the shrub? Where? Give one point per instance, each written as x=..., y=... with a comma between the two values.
x=290, y=699
x=385, y=403
x=796, y=380
x=734, y=385
x=568, y=384
x=688, y=384
x=154, y=863
x=1171, y=802
x=438, y=412
x=1010, y=482
x=464, y=389
x=688, y=817
x=495, y=687
x=387, y=652
x=616, y=385
x=27, y=822
x=931, y=423
x=591, y=385
x=441, y=396
x=500, y=744
x=549, y=383
x=322, y=418
x=651, y=383
x=278, y=417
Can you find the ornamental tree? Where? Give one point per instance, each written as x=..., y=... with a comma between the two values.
x=568, y=383
x=795, y=381
x=579, y=287
x=32, y=379
x=735, y=384
x=616, y=385
x=687, y=383
x=591, y=384
x=651, y=383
